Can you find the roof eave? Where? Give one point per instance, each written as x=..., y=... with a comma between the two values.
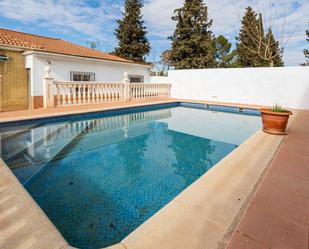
x=33, y=52
x=13, y=47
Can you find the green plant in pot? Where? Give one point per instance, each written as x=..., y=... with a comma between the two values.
x=275, y=119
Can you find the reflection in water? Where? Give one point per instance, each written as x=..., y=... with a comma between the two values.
x=98, y=180
x=133, y=154
x=193, y=154
x=28, y=151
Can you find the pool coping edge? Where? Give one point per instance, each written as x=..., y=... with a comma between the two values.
x=22, y=192
x=118, y=106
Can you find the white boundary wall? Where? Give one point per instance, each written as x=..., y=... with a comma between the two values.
x=287, y=86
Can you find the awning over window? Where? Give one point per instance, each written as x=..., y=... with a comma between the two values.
x=4, y=58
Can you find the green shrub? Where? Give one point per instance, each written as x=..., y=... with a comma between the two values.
x=279, y=108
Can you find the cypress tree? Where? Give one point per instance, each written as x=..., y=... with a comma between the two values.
x=261, y=61
x=306, y=51
x=274, y=50
x=131, y=33
x=253, y=48
x=250, y=33
x=192, y=45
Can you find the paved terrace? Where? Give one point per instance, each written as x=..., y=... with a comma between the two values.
x=200, y=217
x=278, y=215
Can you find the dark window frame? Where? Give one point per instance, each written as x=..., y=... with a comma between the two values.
x=82, y=76
x=136, y=78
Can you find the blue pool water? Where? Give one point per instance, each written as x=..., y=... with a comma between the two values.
x=99, y=179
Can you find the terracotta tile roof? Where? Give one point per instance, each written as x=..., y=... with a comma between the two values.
x=52, y=45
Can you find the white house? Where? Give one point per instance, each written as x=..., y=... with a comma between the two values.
x=68, y=61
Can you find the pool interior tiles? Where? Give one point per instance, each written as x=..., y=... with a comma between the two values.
x=99, y=179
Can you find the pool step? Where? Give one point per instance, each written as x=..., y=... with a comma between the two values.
x=71, y=145
x=64, y=149
x=14, y=146
x=22, y=161
x=6, y=137
x=13, y=142
x=62, y=141
x=44, y=152
x=31, y=159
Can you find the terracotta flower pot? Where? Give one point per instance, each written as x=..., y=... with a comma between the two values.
x=275, y=122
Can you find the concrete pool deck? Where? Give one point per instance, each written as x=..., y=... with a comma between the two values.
x=278, y=215
x=23, y=225
x=204, y=215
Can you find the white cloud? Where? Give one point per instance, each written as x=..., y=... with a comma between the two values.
x=64, y=16
x=158, y=14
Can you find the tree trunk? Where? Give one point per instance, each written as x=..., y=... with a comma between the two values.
x=271, y=63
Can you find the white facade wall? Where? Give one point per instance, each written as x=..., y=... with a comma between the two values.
x=61, y=66
x=159, y=79
x=287, y=86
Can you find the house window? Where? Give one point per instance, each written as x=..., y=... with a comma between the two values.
x=136, y=79
x=82, y=76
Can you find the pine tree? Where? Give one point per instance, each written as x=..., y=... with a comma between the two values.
x=247, y=41
x=224, y=56
x=274, y=52
x=131, y=33
x=306, y=51
x=192, y=45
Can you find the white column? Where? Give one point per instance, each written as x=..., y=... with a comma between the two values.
x=126, y=81
x=48, y=96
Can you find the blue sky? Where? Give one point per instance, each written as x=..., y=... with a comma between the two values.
x=85, y=20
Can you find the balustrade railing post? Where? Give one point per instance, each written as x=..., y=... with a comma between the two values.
x=144, y=87
x=127, y=90
x=100, y=93
x=58, y=86
x=63, y=88
x=69, y=92
x=84, y=86
x=79, y=95
x=88, y=93
x=93, y=93
x=74, y=94
x=48, y=96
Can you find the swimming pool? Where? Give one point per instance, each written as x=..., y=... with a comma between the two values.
x=100, y=176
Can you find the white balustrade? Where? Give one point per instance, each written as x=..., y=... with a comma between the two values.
x=149, y=91
x=77, y=93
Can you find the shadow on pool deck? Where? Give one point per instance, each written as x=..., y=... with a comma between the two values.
x=278, y=216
